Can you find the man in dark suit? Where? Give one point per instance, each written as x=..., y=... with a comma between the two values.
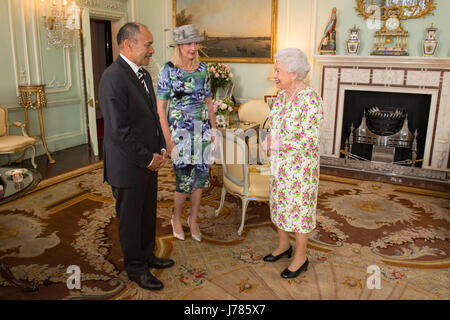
x=133, y=151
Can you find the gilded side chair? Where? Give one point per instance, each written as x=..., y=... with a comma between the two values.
x=10, y=144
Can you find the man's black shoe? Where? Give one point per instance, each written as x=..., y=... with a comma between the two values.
x=160, y=263
x=146, y=281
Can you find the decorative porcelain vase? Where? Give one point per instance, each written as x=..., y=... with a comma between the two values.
x=222, y=121
x=353, y=42
x=430, y=43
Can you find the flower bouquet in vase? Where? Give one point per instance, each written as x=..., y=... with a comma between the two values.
x=220, y=76
x=222, y=109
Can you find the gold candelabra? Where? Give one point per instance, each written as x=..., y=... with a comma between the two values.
x=33, y=97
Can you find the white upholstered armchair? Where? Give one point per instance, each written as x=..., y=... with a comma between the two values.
x=255, y=110
x=11, y=144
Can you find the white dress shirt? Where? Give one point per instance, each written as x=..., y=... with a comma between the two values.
x=135, y=68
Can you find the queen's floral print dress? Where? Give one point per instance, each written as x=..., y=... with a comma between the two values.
x=295, y=167
x=189, y=123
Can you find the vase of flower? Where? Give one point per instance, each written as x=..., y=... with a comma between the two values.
x=220, y=76
x=223, y=109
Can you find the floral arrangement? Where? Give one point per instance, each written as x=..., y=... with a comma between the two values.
x=223, y=106
x=220, y=76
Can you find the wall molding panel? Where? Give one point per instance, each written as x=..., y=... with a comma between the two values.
x=25, y=44
x=13, y=45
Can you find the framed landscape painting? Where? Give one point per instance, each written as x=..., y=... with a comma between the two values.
x=234, y=30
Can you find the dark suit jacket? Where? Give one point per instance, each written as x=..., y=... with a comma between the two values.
x=132, y=129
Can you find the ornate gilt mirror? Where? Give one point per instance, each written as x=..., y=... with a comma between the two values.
x=405, y=9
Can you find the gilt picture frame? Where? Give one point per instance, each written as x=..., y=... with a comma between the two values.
x=234, y=31
x=270, y=100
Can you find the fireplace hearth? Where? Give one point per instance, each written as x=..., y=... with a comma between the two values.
x=352, y=87
x=384, y=129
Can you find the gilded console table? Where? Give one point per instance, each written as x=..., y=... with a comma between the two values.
x=26, y=96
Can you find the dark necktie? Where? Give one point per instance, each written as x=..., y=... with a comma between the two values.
x=140, y=75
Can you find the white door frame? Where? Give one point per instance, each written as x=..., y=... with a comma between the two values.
x=119, y=19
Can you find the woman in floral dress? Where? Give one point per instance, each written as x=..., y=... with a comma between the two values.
x=294, y=123
x=187, y=118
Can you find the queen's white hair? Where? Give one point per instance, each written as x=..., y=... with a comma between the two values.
x=294, y=60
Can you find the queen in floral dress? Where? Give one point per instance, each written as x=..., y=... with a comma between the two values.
x=187, y=118
x=294, y=123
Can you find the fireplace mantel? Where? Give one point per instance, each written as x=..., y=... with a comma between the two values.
x=383, y=61
x=421, y=75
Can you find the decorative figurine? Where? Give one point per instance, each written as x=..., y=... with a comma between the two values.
x=353, y=41
x=430, y=43
x=328, y=42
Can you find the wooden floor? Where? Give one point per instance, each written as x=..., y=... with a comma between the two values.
x=65, y=160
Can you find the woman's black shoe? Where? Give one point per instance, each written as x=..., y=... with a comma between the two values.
x=288, y=274
x=272, y=258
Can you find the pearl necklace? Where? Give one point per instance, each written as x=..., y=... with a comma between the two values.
x=291, y=96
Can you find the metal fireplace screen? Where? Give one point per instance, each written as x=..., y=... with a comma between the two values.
x=385, y=129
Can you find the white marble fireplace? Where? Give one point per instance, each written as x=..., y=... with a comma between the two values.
x=416, y=75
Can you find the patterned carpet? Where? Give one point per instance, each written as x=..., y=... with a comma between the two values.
x=70, y=220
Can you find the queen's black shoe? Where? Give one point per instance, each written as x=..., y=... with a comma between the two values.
x=272, y=258
x=288, y=274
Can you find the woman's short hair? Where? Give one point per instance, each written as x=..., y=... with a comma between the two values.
x=176, y=58
x=294, y=60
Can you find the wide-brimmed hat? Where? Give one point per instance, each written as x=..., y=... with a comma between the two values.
x=186, y=34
